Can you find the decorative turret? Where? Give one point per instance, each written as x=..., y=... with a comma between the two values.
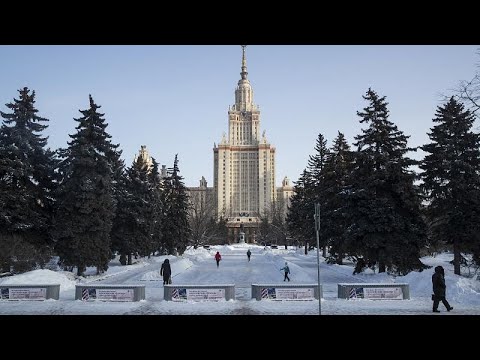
x=244, y=91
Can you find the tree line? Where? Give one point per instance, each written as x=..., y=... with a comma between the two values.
x=80, y=202
x=376, y=209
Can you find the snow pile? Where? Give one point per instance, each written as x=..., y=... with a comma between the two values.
x=43, y=277
x=199, y=254
x=177, y=265
x=420, y=283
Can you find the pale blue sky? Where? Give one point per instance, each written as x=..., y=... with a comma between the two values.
x=174, y=99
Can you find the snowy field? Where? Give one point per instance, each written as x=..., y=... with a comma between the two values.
x=198, y=267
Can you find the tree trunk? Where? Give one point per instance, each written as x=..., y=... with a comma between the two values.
x=5, y=266
x=456, y=258
x=80, y=270
x=381, y=261
x=324, y=252
x=306, y=248
x=129, y=257
x=340, y=259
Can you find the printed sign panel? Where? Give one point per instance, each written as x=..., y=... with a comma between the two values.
x=381, y=293
x=27, y=293
x=107, y=294
x=288, y=293
x=4, y=293
x=205, y=294
x=89, y=294
x=179, y=294
x=268, y=293
x=295, y=293
x=355, y=293
x=115, y=294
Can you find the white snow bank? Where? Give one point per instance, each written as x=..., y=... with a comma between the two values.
x=43, y=277
x=177, y=265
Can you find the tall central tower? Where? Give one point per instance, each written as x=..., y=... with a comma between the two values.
x=244, y=162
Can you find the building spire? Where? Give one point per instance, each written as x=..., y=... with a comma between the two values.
x=244, y=72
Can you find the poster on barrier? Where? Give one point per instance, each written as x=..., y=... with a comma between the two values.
x=115, y=294
x=27, y=293
x=205, y=294
x=295, y=293
x=383, y=293
x=179, y=294
x=288, y=293
x=4, y=293
x=268, y=293
x=355, y=293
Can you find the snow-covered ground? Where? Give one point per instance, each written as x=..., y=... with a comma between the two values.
x=198, y=267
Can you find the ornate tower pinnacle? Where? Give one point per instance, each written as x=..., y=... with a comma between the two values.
x=244, y=72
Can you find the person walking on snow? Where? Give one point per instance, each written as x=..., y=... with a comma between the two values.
x=218, y=257
x=249, y=253
x=166, y=272
x=438, y=281
x=287, y=271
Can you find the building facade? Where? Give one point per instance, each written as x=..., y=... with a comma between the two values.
x=244, y=164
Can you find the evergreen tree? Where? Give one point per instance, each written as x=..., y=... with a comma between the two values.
x=132, y=224
x=279, y=225
x=385, y=214
x=118, y=191
x=27, y=180
x=175, y=226
x=264, y=230
x=338, y=167
x=451, y=180
x=316, y=165
x=155, y=182
x=300, y=220
x=86, y=204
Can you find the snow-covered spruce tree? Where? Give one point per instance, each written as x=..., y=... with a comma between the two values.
x=386, y=225
x=175, y=226
x=85, y=202
x=118, y=189
x=155, y=185
x=334, y=223
x=451, y=180
x=300, y=215
x=132, y=225
x=27, y=181
x=316, y=165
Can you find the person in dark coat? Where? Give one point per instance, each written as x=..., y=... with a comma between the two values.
x=218, y=257
x=249, y=253
x=166, y=272
x=439, y=288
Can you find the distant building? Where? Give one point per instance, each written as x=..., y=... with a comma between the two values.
x=147, y=159
x=244, y=170
x=144, y=156
x=284, y=195
x=202, y=195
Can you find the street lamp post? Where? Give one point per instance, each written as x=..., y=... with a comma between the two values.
x=317, y=228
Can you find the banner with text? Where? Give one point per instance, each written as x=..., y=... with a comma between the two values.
x=205, y=294
x=390, y=293
x=115, y=294
x=288, y=293
x=107, y=294
x=25, y=293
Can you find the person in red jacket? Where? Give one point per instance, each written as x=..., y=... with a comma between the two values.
x=218, y=257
